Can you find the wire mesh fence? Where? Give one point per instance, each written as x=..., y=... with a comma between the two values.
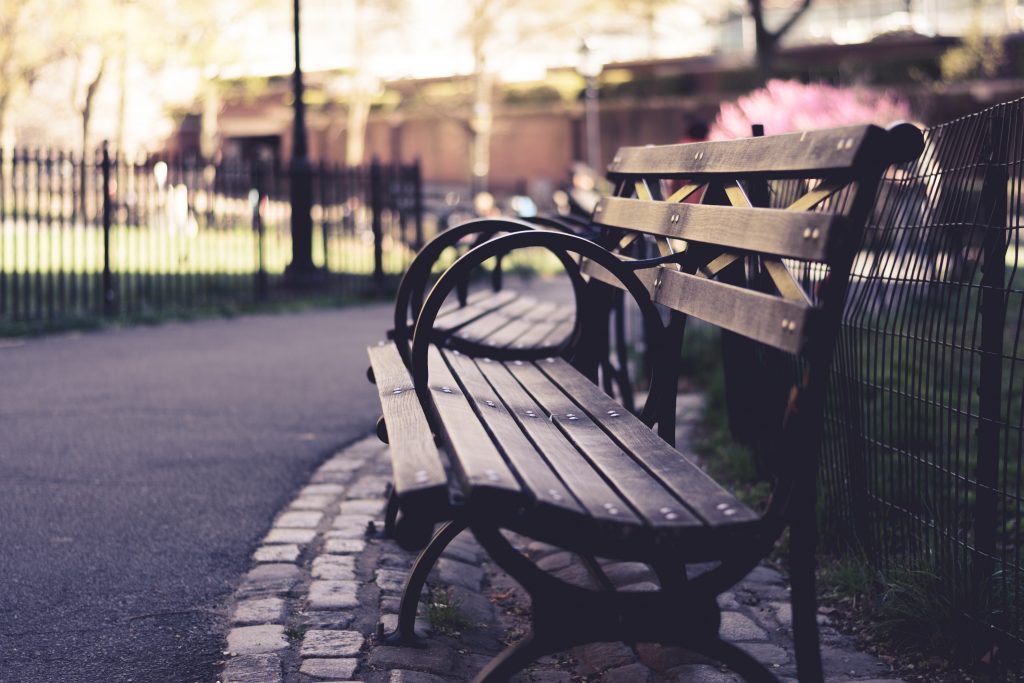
x=106, y=235
x=922, y=460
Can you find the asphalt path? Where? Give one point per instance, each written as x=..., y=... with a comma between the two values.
x=140, y=467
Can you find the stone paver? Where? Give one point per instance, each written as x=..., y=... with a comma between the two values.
x=276, y=553
x=288, y=536
x=339, y=669
x=326, y=643
x=258, y=611
x=344, y=546
x=268, y=580
x=334, y=568
x=305, y=519
x=319, y=616
x=252, y=669
x=324, y=594
x=255, y=640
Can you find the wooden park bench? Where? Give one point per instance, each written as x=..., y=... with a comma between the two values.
x=532, y=446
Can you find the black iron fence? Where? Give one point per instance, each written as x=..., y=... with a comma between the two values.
x=106, y=235
x=923, y=464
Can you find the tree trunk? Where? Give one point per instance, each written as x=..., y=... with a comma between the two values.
x=122, y=102
x=482, y=124
x=86, y=112
x=208, y=125
x=767, y=42
x=5, y=103
x=355, y=130
x=359, y=98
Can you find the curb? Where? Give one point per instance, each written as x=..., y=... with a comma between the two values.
x=324, y=581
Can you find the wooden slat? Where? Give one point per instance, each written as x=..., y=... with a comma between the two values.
x=487, y=325
x=474, y=298
x=823, y=191
x=418, y=470
x=768, y=319
x=652, y=501
x=642, y=191
x=701, y=494
x=806, y=236
x=592, y=492
x=821, y=151
x=647, y=276
x=737, y=197
x=785, y=282
x=719, y=264
x=683, y=192
x=539, y=481
x=471, y=311
x=543, y=333
x=507, y=335
x=560, y=333
x=483, y=472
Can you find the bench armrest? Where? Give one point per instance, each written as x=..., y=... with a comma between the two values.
x=557, y=242
x=409, y=300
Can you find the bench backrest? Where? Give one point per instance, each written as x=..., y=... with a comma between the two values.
x=775, y=276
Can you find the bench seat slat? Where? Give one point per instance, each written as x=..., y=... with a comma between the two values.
x=508, y=334
x=551, y=331
x=791, y=234
x=560, y=333
x=593, y=492
x=479, y=465
x=655, y=504
x=819, y=152
x=463, y=315
x=528, y=465
x=420, y=479
x=487, y=325
x=702, y=494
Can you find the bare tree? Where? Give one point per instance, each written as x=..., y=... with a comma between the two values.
x=371, y=20
x=28, y=44
x=766, y=40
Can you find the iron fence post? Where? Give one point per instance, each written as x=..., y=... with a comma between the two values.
x=990, y=380
x=417, y=191
x=377, y=207
x=108, y=279
x=257, y=226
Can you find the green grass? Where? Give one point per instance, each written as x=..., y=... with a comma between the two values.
x=727, y=461
x=40, y=248
x=444, y=613
x=85, y=322
x=922, y=606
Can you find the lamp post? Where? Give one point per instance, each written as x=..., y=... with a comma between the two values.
x=300, y=270
x=589, y=67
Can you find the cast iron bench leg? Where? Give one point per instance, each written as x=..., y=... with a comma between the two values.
x=405, y=634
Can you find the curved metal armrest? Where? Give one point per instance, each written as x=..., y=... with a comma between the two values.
x=558, y=243
x=567, y=224
x=410, y=291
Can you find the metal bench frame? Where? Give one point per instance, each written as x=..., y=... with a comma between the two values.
x=730, y=236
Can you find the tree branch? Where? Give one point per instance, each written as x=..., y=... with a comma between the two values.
x=793, y=18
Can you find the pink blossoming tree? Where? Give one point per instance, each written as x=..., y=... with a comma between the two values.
x=787, y=106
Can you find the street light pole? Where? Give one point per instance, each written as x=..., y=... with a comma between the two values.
x=301, y=269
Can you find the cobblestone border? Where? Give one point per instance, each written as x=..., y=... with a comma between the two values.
x=324, y=583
